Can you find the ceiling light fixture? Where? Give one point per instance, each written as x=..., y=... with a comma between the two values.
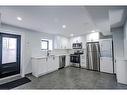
x=19, y=18
x=71, y=35
x=64, y=26
x=93, y=31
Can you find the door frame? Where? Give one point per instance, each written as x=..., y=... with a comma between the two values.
x=18, y=54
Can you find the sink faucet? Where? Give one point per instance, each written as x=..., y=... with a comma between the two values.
x=48, y=52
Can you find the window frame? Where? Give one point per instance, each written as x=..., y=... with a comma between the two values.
x=47, y=44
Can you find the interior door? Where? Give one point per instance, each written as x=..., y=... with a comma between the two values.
x=9, y=54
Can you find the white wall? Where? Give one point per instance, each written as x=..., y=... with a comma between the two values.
x=34, y=41
x=118, y=44
x=125, y=39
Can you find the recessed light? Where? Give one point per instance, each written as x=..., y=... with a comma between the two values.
x=93, y=31
x=71, y=35
x=64, y=26
x=19, y=18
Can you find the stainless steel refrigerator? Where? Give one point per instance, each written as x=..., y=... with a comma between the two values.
x=93, y=56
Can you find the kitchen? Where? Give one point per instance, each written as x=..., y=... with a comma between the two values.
x=93, y=49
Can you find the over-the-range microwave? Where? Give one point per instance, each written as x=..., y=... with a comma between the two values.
x=77, y=45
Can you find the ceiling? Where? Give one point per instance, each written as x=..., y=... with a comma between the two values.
x=78, y=19
x=117, y=16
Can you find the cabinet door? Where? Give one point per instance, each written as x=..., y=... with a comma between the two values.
x=105, y=45
x=56, y=63
x=64, y=42
x=61, y=42
x=53, y=63
x=67, y=60
x=83, y=61
x=42, y=68
x=57, y=42
x=106, y=65
x=49, y=64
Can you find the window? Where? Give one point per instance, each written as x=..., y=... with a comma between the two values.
x=46, y=44
x=9, y=50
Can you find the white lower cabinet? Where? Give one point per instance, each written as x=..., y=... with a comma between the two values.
x=52, y=63
x=49, y=64
x=106, y=65
x=83, y=61
x=67, y=60
x=41, y=66
x=56, y=63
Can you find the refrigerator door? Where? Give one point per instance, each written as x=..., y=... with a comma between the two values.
x=89, y=57
x=93, y=56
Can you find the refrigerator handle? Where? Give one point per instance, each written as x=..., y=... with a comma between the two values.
x=99, y=54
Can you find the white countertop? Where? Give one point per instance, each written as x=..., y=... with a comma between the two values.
x=61, y=54
x=43, y=57
x=39, y=57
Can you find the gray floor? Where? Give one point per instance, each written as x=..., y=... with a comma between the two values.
x=73, y=78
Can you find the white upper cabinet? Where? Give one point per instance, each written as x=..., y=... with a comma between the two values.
x=92, y=37
x=105, y=44
x=61, y=42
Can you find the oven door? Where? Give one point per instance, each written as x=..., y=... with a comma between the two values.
x=75, y=58
x=71, y=58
